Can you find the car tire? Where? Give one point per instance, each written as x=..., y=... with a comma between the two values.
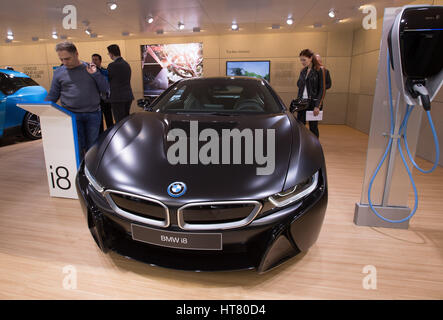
x=31, y=126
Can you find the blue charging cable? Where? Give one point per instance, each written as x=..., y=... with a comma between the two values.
x=402, y=130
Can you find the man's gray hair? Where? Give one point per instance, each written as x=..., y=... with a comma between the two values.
x=66, y=46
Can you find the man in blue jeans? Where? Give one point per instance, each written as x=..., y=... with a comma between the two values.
x=78, y=85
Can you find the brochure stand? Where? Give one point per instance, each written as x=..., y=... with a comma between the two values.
x=60, y=146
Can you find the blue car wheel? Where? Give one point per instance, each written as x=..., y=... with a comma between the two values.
x=31, y=126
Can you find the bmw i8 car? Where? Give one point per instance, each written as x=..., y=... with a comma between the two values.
x=215, y=174
x=18, y=87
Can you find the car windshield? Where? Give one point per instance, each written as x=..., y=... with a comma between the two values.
x=220, y=96
x=10, y=84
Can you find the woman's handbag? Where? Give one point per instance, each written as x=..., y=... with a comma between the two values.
x=299, y=104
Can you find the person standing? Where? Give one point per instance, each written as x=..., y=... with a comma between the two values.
x=78, y=85
x=119, y=73
x=326, y=76
x=105, y=105
x=310, y=87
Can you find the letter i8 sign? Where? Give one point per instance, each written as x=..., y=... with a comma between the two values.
x=59, y=146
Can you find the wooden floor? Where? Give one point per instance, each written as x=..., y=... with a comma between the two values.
x=40, y=236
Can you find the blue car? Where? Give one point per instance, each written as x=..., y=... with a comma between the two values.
x=17, y=87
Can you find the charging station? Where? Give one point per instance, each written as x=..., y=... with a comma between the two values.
x=411, y=49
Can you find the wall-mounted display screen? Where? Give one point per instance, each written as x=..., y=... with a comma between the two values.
x=164, y=64
x=257, y=69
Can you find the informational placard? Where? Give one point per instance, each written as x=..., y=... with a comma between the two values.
x=60, y=146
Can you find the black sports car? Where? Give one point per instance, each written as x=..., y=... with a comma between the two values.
x=216, y=174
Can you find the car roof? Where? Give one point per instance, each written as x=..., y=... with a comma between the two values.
x=14, y=73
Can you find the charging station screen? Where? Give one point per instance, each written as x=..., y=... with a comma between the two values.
x=422, y=53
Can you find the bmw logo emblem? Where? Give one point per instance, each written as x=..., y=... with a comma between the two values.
x=176, y=189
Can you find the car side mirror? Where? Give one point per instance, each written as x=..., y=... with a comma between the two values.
x=145, y=103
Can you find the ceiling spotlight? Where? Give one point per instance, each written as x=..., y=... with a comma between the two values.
x=317, y=25
x=93, y=35
x=234, y=26
x=331, y=14
x=181, y=25
x=196, y=29
x=112, y=5
x=10, y=36
x=150, y=19
x=88, y=31
x=290, y=21
x=54, y=35
x=275, y=26
x=159, y=31
x=34, y=38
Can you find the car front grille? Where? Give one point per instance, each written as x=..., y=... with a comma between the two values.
x=139, y=208
x=192, y=216
x=217, y=215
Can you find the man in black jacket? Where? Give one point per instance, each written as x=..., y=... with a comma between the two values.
x=119, y=73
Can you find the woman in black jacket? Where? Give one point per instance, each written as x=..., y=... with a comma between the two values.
x=310, y=86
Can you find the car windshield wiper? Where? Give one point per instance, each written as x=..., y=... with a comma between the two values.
x=224, y=114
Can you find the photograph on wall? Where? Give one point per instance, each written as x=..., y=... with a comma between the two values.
x=256, y=69
x=164, y=64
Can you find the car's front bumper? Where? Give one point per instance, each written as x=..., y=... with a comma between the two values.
x=262, y=245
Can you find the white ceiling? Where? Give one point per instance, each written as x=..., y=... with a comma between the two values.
x=39, y=18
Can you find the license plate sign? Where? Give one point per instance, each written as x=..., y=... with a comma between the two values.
x=178, y=240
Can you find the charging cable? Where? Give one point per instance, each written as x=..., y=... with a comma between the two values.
x=403, y=131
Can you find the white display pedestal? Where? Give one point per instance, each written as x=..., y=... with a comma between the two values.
x=60, y=146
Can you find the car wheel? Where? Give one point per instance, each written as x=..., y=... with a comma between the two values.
x=31, y=126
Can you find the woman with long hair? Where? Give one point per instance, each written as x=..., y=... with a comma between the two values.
x=310, y=87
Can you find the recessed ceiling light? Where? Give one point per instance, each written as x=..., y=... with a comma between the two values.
x=332, y=13
x=181, y=25
x=290, y=21
x=150, y=19
x=234, y=26
x=112, y=5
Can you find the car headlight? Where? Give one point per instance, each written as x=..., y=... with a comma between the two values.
x=93, y=182
x=296, y=193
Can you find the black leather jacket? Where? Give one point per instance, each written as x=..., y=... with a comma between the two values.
x=314, y=84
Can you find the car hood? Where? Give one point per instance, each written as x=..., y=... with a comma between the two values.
x=134, y=159
x=28, y=94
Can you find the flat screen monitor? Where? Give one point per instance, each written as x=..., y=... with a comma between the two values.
x=257, y=69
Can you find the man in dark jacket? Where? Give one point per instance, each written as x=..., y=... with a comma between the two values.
x=119, y=73
x=105, y=105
